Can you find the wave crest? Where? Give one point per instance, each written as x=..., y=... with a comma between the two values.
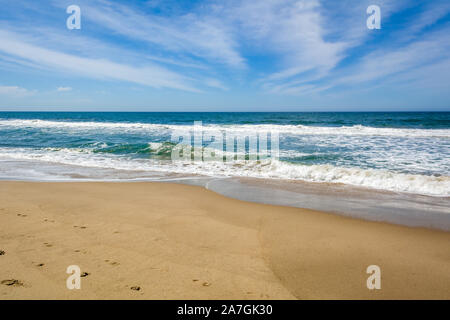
x=356, y=130
x=269, y=168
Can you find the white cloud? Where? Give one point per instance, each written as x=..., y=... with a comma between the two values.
x=302, y=44
x=429, y=16
x=204, y=36
x=214, y=83
x=15, y=91
x=64, y=89
x=300, y=34
x=293, y=30
x=148, y=75
x=419, y=64
x=384, y=62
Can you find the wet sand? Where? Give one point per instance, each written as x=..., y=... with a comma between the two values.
x=171, y=241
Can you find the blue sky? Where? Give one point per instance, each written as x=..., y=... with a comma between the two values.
x=265, y=55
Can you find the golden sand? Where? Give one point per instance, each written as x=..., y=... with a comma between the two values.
x=169, y=241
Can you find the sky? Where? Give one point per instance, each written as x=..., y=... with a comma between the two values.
x=225, y=55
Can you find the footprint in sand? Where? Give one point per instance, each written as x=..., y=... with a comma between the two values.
x=48, y=245
x=205, y=284
x=12, y=282
x=21, y=215
x=113, y=263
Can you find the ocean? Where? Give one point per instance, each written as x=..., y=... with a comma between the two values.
x=401, y=152
x=387, y=166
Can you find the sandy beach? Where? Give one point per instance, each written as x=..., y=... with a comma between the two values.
x=171, y=241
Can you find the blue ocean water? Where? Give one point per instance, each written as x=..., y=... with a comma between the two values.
x=401, y=152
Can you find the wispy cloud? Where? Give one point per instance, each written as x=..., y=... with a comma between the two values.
x=432, y=13
x=204, y=36
x=293, y=31
x=281, y=48
x=64, y=89
x=148, y=75
x=384, y=63
x=314, y=60
x=15, y=91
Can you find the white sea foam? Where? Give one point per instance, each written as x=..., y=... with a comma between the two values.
x=357, y=130
x=271, y=169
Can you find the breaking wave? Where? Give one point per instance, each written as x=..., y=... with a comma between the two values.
x=268, y=168
x=356, y=130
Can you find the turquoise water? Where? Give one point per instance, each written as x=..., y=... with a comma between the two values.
x=401, y=152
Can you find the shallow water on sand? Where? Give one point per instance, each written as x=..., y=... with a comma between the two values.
x=399, y=208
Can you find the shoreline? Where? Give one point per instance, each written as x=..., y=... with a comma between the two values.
x=404, y=209
x=177, y=241
x=400, y=208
